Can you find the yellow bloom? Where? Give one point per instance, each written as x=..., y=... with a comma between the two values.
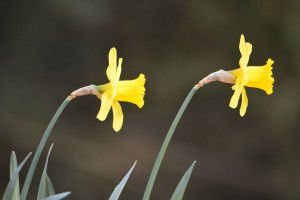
x=250, y=76
x=132, y=91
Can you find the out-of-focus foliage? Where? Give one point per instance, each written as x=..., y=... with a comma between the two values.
x=46, y=190
x=119, y=188
x=50, y=48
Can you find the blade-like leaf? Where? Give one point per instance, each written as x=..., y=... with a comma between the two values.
x=58, y=196
x=43, y=188
x=180, y=189
x=8, y=194
x=118, y=189
x=49, y=187
x=13, y=167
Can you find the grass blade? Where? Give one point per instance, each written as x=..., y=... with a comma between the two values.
x=118, y=189
x=180, y=189
x=49, y=187
x=43, y=189
x=58, y=196
x=8, y=194
x=12, y=168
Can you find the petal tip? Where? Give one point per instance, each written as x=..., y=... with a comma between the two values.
x=242, y=38
x=242, y=114
x=113, y=49
x=117, y=129
x=112, y=53
x=101, y=118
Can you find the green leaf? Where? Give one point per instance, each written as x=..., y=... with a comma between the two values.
x=13, y=167
x=117, y=191
x=58, y=196
x=8, y=194
x=46, y=187
x=49, y=187
x=180, y=189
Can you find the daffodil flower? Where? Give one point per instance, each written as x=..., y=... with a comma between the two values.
x=246, y=76
x=132, y=91
x=250, y=76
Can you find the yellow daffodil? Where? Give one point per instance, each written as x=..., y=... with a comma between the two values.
x=250, y=76
x=132, y=91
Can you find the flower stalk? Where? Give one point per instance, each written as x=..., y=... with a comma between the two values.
x=165, y=144
x=251, y=76
x=40, y=148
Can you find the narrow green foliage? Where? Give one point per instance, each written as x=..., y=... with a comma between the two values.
x=58, y=196
x=165, y=145
x=45, y=188
x=9, y=192
x=49, y=187
x=118, y=189
x=180, y=189
x=12, y=168
x=40, y=149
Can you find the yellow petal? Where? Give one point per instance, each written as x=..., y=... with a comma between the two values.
x=112, y=66
x=106, y=102
x=132, y=91
x=237, y=93
x=244, y=104
x=119, y=69
x=118, y=116
x=245, y=49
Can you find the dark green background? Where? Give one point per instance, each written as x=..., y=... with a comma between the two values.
x=50, y=48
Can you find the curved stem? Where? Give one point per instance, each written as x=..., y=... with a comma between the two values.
x=166, y=143
x=41, y=147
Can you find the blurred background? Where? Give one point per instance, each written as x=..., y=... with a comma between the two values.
x=50, y=48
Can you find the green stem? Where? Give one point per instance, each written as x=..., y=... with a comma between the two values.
x=41, y=147
x=166, y=143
